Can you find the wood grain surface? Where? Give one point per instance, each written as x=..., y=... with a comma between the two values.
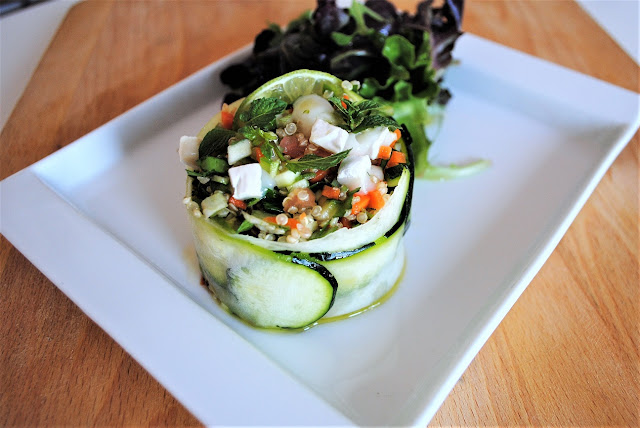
x=566, y=354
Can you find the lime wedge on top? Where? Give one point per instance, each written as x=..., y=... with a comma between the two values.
x=293, y=85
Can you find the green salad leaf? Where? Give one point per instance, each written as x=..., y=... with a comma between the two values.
x=399, y=59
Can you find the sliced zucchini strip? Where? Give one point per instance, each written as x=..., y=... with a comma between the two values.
x=262, y=287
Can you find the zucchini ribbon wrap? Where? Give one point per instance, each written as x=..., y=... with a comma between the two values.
x=299, y=196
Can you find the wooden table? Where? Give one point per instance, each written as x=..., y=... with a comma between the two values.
x=566, y=354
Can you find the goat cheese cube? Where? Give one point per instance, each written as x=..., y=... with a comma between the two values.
x=239, y=150
x=188, y=151
x=246, y=181
x=356, y=172
x=370, y=141
x=328, y=136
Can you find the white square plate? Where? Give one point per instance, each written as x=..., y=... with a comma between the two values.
x=111, y=232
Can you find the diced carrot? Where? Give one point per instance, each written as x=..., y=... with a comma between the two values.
x=344, y=105
x=320, y=174
x=226, y=118
x=384, y=152
x=376, y=201
x=361, y=203
x=291, y=223
x=238, y=203
x=331, y=192
x=396, y=159
x=257, y=153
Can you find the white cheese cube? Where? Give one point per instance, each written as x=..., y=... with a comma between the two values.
x=188, y=151
x=372, y=139
x=246, y=181
x=376, y=171
x=328, y=136
x=239, y=150
x=356, y=172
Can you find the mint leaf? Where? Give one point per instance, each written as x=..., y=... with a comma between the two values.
x=363, y=115
x=215, y=142
x=374, y=121
x=262, y=113
x=316, y=162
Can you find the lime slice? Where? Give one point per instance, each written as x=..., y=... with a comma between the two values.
x=291, y=86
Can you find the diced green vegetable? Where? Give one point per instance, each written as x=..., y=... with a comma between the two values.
x=238, y=151
x=215, y=165
x=213, y=204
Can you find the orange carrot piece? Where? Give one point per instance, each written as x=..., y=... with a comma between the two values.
x=291, y=223
x=238, y=203
x=226, y=118
x=396, y=159
x=361, y=204
x=344, y=105
x=376, y=201
x=331, y=192
x=384, y=152
x=257, y=153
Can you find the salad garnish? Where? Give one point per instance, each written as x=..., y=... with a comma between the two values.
x=396, y=59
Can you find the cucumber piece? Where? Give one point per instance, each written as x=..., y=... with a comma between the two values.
x=286, y=178
x=238, y=151
x=264, y=288
x=213, y=164
x=213, y=204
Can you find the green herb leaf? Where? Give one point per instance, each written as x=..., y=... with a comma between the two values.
x=361, y=116
x=215, y=142
x=262, y=113
x=316, y=162
x=376, y=120
x=244, y=226
x=257, y=135
x=272, y=202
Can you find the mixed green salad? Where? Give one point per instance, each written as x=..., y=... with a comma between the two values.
x=397, y=59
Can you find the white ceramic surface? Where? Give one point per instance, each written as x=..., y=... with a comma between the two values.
x=112, y=234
